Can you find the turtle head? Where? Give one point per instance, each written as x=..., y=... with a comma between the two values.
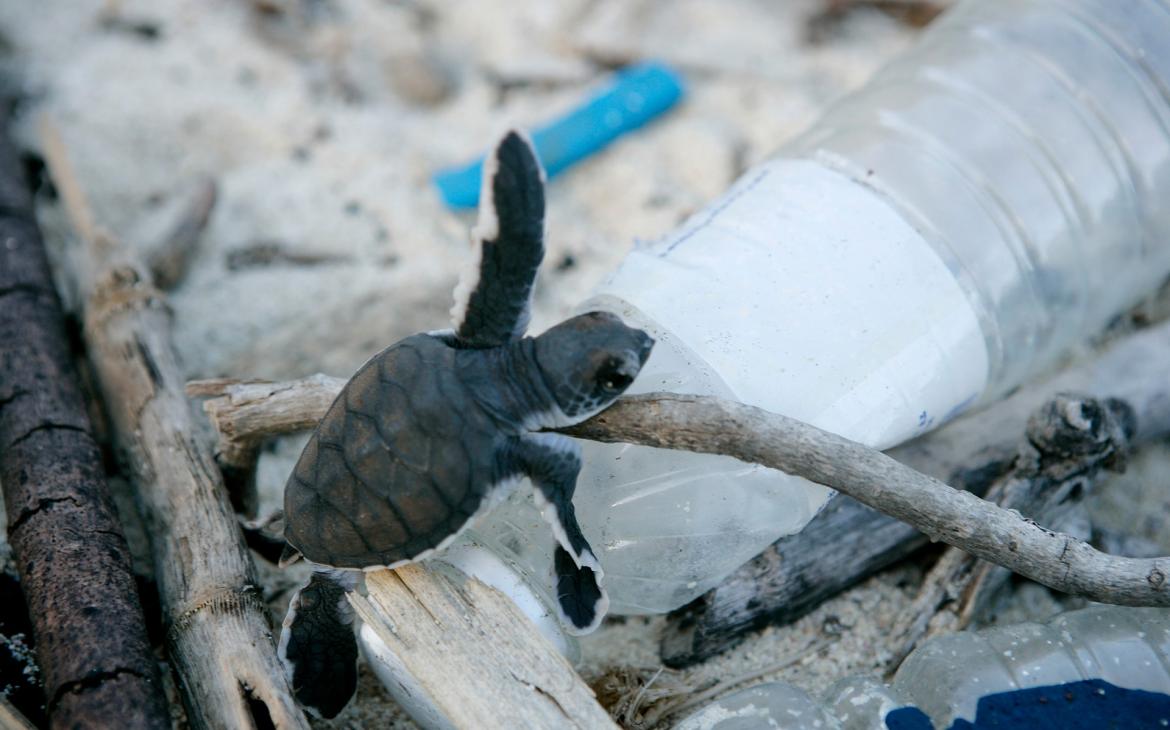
x=589, y=360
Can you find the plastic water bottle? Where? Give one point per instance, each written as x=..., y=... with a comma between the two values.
x=1127, y=647
x=947, y=676
x=986, y=202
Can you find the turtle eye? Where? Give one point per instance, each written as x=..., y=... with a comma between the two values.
x=612, y=379
x=616, y=382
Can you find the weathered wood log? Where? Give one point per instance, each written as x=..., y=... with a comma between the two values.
x=799, y=572
x=464, y=656
x=218, y=635
x=74, y=564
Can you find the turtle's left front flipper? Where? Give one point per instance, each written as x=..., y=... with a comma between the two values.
x=552, y=462
x=494, y=296
x=317, y=644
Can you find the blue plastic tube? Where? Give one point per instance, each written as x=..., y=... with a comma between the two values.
x=638, y=94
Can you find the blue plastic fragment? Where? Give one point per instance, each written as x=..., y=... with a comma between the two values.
x=1091, y=704
x=638, y=94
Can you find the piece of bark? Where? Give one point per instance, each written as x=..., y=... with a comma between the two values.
x=287, y=407
x=849, y=541
x=185, y=220
x=218, y=636
x=468, y=658
x=68, y=545
x=1069, y=442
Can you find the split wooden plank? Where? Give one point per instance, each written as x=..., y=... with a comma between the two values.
x=466, y=657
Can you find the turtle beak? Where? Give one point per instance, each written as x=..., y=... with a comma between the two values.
x=645, y=345
x=634, y=358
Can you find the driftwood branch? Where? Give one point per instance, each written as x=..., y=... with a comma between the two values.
x=217, y=632
x=798, y=572
x=710, y=425
x=714, y=426
x=72, y=556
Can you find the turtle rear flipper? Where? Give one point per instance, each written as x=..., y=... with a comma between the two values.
x=494, y=296
x=552, y=462
x=317, y=643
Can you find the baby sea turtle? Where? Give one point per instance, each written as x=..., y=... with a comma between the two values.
x=435, y=429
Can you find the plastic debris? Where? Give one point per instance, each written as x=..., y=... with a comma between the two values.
x=638, y=94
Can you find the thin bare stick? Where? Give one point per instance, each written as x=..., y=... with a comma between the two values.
x=247, y=413
x=69, y=188
x=65, y=181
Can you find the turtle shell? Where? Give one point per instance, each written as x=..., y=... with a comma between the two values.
x=400, y=462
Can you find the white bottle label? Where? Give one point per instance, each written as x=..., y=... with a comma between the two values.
x=811, y=296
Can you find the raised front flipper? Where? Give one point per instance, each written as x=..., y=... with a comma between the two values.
x=494, y=295
x=317, y=644
x=552, y=462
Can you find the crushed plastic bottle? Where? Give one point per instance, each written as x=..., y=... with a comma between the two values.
x=983, y=204
x=1129, y=648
